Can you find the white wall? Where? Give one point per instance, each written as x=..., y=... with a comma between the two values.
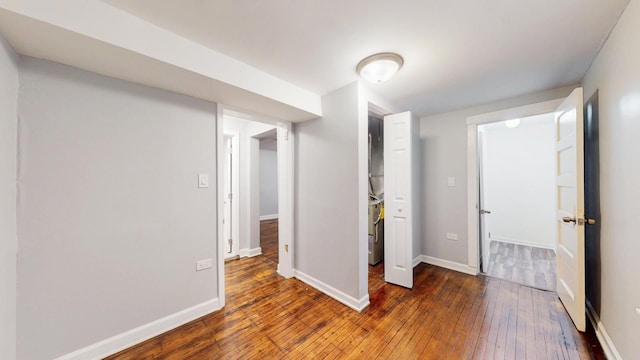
x=111, y=220
x=327, y=209
x=444, y=154
x=8, y=167
x=616, y=73
x=268, y=182
x=519, y=181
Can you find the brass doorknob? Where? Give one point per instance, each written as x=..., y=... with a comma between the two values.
x=591, y=221
x=485, y=212
x=569, y=219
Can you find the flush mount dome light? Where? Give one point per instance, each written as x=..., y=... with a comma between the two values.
x=512, y=123
x=379, y=68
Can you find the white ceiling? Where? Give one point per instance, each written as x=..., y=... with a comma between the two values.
x=277, y=57
x=457, y=53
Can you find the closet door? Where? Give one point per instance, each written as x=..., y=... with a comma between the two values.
x=398, y=185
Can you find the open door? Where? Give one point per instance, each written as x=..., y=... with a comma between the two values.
x=484, y=235
x=230, y=236
x=398, y=193
x=570, y=207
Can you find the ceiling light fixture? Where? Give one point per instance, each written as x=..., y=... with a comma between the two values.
x=512, y=123
x=379, y=68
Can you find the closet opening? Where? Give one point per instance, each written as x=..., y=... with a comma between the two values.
x=375, y=204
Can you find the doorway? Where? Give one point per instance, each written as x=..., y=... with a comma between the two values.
x=391, y=185
x=569, y=190
x=249, y=130
x=375, y=205
x=517, y=200
x=268, y=179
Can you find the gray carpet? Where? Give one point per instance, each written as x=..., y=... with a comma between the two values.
x=523, y=264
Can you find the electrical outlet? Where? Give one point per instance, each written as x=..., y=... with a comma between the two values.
x=452, y=236
x=203, y=264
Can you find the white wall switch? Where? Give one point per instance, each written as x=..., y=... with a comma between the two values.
x=203, y=264
x=203, y=180
x=451, y=181
x=452, y=236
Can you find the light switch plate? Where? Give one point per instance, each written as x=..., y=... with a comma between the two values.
x=451, y=181
x=203, y=180
x=452, y=236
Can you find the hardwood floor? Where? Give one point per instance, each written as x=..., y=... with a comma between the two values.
x=376, y=277
x=448, y=315
x=269, y=239
x=526, y=265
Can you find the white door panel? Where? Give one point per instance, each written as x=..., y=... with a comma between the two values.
x=230, y=241
x=570, y=207
x=398, y=231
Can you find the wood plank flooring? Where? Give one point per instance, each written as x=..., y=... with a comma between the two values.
x=448, y=315
x=269, y=239
x=526, y=265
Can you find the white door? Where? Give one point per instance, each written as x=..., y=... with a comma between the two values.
x=570, y=206
x=484, y=234
x=398, y=227
x=229, y=242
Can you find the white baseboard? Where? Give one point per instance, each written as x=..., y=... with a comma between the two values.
x=463, y=268
x=268, y=217
x=608, y=347
x=417, y=261
x=351, y=302
x=135, y=336
x=250, y=252
x=522, y=242
x=288, y=275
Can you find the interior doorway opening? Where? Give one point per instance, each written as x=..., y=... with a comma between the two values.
x=268, y=187
x=375, y=206
x=240, y=164
x=516, y=175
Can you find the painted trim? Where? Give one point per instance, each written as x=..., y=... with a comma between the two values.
x=473, y=227
x=268, y=217
x=286, y=194
x=417, y=260
x=516, y=112
x=608, y=347
x=250, y=252
x=219, y=242
x=451, y=265
x=329, y=290
x=137, y=335
x=521, y=242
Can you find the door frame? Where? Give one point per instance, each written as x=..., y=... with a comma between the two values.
x=286, y=157
x=473, y=226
